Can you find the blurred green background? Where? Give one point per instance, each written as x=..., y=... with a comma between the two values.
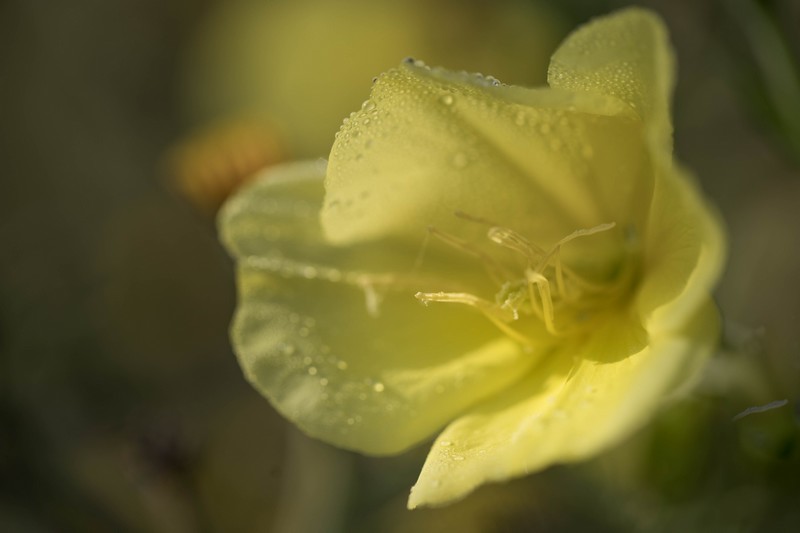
x=122, y=407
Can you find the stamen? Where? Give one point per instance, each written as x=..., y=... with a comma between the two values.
x=542, y=283
x=493, y=268
x=493, y=312
x=561, y=269
x=572, y=236
x=545, y=285
x=513, y=240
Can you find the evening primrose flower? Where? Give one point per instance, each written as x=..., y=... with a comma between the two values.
x=565, y=259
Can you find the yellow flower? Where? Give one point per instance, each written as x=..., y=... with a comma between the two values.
x=566, y=259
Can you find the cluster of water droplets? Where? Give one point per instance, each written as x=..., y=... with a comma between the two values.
x=617, y=79
x=358, y=130
x=336, y=383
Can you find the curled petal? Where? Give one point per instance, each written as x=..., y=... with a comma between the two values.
x=626, y=55
x=684, y=253
x=334, y=337
x=430, y=143
x=583, y=400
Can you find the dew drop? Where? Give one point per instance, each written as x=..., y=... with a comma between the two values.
x=378, y=387
x=447, y=99
x=351, y=421
x=445, y=443
x=323, y=382
x=341, y=365
x=312, y=371
x=368, y=105
x=458, y=458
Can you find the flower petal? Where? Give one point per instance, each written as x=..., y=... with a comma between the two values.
x=568, y=410
x=685, y=249
x=430, y=143
x=626, y=55
x=361, y=366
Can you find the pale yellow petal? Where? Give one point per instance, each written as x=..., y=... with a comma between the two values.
x=567, y=410
x=430, y=143
x=626, y=55
x=684, y=253
x=347, y=353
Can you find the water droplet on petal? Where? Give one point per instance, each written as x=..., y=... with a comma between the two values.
x=447, y=99
x=378, y=387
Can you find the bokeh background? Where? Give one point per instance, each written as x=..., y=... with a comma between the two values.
x=124, y=123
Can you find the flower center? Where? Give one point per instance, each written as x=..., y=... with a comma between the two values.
x=545, y=288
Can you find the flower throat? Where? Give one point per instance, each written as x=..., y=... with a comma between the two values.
x=547, y=289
